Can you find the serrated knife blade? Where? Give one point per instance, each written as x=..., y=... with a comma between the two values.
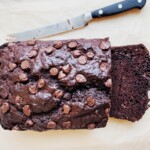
x=68, y=25
x=77, y=22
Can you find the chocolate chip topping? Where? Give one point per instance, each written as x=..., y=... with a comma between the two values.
x=58, y=44
x=18, y=100
x=29, y=122
x=90, y=55
x=67, y=124
x=33, y=89
x=61, y=75
x=25, y=65
x=90, y=101
x=66, y=109
x=5, y=107
x=53, y=71
x=105, y=45
x=82, y=60
x=49, y=50
x=58, y=94
x=27, y=110
x=67, y=96
x=31, y=42
x=77, y=53
x=103, y=66
x=32, y=54
x=72, y=45
x=23, y=77
x=51, y=125
x=108, y=83
x=12, y=66
x=91, y=126
x=3, y=92
x=41, y=83
x=66, y=68
x=80, y=78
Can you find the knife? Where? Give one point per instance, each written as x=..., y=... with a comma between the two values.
x=77, y=22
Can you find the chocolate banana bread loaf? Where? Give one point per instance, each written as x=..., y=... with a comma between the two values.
x=55, y=84
x=130, y=82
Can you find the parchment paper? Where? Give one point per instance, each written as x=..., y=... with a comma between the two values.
x=129, y=28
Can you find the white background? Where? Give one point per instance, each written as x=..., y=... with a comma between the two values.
x=129, y=28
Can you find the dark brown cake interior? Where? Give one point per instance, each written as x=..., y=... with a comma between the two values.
x=130, y=82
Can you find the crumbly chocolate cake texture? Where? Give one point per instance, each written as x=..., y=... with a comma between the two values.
x=55, y=84
x=130, y=82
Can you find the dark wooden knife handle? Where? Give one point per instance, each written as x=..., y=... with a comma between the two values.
x=118, y=8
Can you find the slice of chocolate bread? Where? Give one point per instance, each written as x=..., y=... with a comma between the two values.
x=130, y=82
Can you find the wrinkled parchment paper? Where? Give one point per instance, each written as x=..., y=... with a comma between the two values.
x=129, y=28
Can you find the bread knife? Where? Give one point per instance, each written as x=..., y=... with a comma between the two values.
x=77, y=22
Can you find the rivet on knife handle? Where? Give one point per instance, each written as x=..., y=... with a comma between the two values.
x=118, y=8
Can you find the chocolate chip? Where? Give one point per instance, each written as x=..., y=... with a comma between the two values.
x=72, y=45
x=105, y=45
x=53, y=71
x=66, y=109
x=32, y=54
x=18, y=100
x=90, y=55
x=29, y=122
x=4, y=92
x=27, y=110
x=67, y=124
x=33, y=89
x=5, y=107
x=67, y=96
x=91, y=126
x=82, y=60
x=49, y=50
x=58, y=44
x=103, y=66
x=66, y=68
x=16, y=127
x=61, y=75
x=41, y=83
x=51, y=125
x=23, y=77
x=108, y=83
x=31, y=42
x=90, y=101
x=58, y=94
x=12, y=66
x=77, y=53
x=80, y=78
x=25, y=65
